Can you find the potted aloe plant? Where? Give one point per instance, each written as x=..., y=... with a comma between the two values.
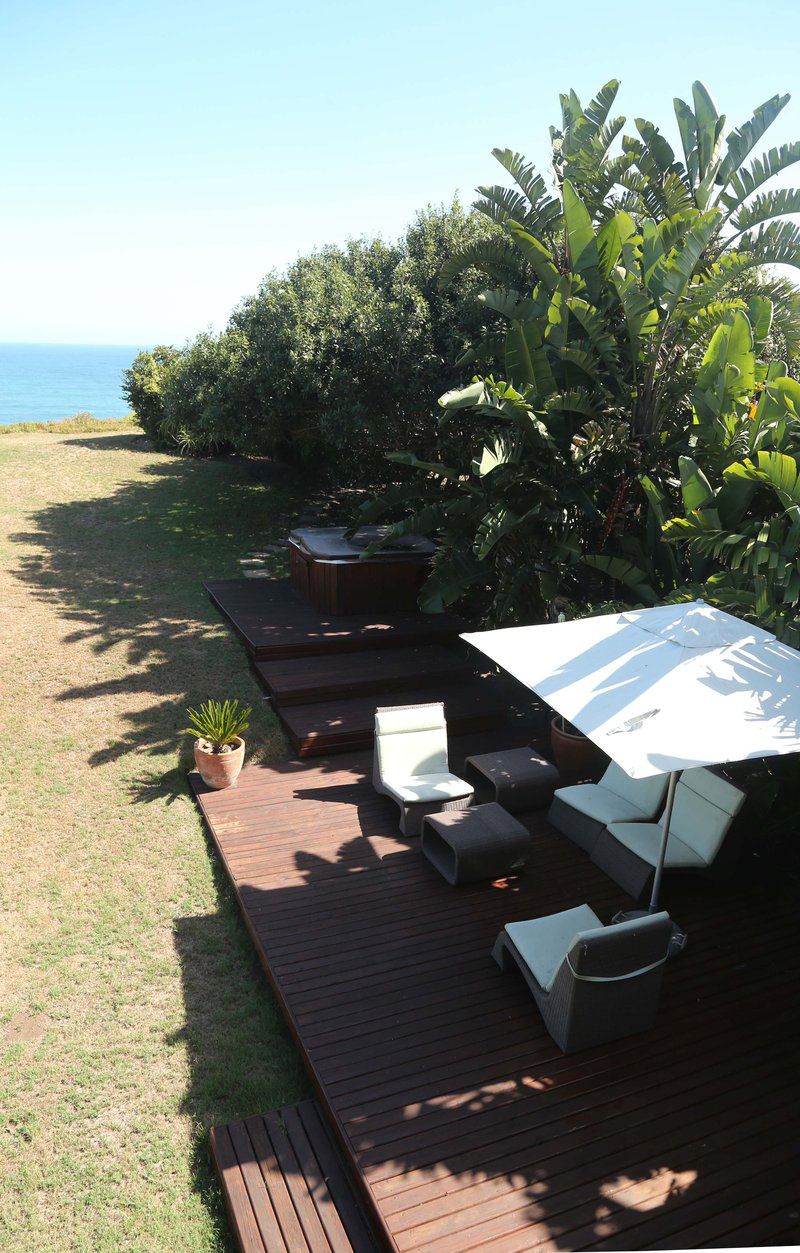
x=218, y=746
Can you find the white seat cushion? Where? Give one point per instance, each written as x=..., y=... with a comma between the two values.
x=644, y=839
x=543, y=943
x=597, y=802
x=428, y=787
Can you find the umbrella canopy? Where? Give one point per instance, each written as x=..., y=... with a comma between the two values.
x=661, y=690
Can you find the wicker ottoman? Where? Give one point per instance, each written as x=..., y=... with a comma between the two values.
x=518, y=779
x=484, y=842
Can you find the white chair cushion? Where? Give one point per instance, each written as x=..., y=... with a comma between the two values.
x=411, y=740
x=705, y=806
x=644, y=839
x=646, y=794
x=543, y=943
x=597, y=802
x=428, y=787
x=401, y=719
x=712, y=787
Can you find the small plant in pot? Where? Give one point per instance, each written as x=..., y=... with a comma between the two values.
x=218, y=746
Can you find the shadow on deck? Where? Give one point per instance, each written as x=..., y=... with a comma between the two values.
x=463, y=1122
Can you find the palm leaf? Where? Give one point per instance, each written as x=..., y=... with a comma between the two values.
x=526, y=358
x=584, y=256
x=743, y=140
x=776, y=243
x=744, y=182
x=496, y=258
x=772, y=204
x=625, y=572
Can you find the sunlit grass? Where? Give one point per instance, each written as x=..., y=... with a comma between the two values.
x=78, y=424
x=134, y=1013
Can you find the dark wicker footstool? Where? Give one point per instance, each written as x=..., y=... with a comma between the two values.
x=483, y=842
x=517, y=779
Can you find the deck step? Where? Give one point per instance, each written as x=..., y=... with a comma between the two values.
x=285, y=1185
x=274, y=622
x=474, y=704
x=308, y=680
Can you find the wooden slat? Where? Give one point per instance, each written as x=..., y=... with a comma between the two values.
x=325, y=726
x=274, y=621
x=304, y=680
x=463, y=1123
x=285, y=1186
x=237, y=1201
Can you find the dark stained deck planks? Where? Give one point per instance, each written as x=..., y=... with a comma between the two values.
x=465, y=1124
x=472, y=704
x=303, y=680
x=285, y=1186
x=275, y=621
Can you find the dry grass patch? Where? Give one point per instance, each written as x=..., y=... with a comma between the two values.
x=134, y=1012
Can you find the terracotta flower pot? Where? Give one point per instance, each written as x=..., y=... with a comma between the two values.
x=219, y=770
x=576, y=756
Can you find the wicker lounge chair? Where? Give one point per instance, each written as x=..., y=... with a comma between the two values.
x=704, y=809
x=410, y=763
x=583, y=811
x=591, y=983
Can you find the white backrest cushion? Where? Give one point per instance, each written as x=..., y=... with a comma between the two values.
x=411, y=740
x=714, y=788
x=646, y=794
x=705, y=806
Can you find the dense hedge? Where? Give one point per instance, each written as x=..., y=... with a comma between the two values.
x=331, y=364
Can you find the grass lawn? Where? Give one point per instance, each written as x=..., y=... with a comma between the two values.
x=134, y=1013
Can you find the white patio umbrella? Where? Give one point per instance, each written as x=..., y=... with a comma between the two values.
x=661, y=690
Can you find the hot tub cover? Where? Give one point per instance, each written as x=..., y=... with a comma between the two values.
x=329, y=543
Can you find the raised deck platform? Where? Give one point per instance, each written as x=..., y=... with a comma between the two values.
x=307, y=679
x=275, y=621
x=327, y=676
x=463, y=1122
x=470, y=704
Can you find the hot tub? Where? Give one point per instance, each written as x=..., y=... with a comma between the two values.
x=328, y=569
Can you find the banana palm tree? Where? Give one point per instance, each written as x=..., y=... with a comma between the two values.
x=609, y=289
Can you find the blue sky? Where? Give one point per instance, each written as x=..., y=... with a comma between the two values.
x=159, y=158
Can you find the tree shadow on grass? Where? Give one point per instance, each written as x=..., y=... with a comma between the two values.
x=241, y=1058
x=135, y=441
x=126, y=571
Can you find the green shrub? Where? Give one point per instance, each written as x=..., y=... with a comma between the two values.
x=142, y=387
x=330, y=364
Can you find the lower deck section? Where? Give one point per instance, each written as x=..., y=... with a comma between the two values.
x=463, y=1124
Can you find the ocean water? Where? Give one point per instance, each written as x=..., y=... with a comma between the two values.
x=42, y=382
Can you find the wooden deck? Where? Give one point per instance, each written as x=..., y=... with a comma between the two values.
x=327, y=675
x=285, y=1186
x=275, y=621
x=303, y=680
x=464, y=1124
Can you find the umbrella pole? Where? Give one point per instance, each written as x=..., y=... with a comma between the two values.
x=662, y=853
x=678, y=940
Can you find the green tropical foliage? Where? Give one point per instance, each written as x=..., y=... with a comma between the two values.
x=639, y=331
x=218, y=722
x=609, y=289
